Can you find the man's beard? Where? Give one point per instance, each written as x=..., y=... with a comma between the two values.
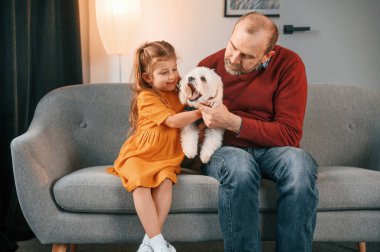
x=228, y=66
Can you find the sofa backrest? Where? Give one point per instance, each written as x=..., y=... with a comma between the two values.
x=340, y=126
x=91, y=118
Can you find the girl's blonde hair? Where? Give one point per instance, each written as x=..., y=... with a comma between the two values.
x=145, y=57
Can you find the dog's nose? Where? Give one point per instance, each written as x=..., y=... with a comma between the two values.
x=191, y=78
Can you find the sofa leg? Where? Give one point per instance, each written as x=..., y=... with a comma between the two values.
x=362, y=247
x=64, y=247
x=59, y=248
x=73, y=248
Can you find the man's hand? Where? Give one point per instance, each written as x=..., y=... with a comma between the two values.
x=220, y=117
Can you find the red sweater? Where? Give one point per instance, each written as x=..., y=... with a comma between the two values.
x=271, y=101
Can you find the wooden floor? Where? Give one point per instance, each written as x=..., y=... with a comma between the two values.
x=35, y=246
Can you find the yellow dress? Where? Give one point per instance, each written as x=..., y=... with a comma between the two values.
x=153, y=153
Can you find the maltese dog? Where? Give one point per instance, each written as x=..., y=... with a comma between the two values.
x=201, y=86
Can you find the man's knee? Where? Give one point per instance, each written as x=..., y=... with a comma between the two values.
x=233, y=163
x=300, y=159
x=299, y=167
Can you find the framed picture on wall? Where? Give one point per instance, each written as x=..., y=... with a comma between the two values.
x=236, y=8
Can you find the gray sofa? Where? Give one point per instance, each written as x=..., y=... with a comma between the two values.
x=77, y=131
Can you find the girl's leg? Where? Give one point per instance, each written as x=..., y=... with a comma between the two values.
x=146, y=211
x=162, y=197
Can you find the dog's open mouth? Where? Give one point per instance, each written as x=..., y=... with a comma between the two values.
x=195, y=95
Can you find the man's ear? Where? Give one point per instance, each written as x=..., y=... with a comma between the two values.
x=146, y=77
x=267, y=57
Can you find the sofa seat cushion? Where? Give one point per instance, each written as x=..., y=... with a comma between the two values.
x=340, y=188
x=348, y=188
x=95, y=191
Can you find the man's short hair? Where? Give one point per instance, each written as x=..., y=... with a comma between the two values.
x=257, y=21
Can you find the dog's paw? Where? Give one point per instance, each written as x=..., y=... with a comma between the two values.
x=189, y=140
x=205, y=157
x=190, y=151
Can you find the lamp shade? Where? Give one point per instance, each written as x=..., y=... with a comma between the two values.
x=118, y=22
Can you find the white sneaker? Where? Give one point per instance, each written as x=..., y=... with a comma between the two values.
x=166, y=248
x=171, y=248
x=145, y=247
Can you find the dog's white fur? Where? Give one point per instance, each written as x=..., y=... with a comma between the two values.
x=201, y=85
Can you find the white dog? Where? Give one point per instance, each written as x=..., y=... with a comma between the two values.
x=201, y=85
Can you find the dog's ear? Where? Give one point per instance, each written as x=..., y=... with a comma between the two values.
x=218, y=99
x=182, y=97
x=178, y=86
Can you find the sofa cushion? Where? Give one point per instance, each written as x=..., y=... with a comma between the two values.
x=348, y=188
x=93, y=190
x=340, y=188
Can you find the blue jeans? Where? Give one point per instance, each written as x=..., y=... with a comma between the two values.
x=239, y=172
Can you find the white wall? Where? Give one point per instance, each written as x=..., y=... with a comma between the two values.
x=343, y=46
x=197, y=28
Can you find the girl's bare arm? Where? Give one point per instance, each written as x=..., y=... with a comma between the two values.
x=182, y=119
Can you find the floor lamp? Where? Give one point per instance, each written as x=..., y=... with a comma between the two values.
x=118, y=22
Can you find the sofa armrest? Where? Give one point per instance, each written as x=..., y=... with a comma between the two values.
x=39, y=159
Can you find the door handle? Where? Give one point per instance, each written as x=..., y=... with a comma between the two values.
x=289, y=29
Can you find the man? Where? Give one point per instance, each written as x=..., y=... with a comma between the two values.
x=265, y=91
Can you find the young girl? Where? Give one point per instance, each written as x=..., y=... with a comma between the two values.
x=149, y=160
